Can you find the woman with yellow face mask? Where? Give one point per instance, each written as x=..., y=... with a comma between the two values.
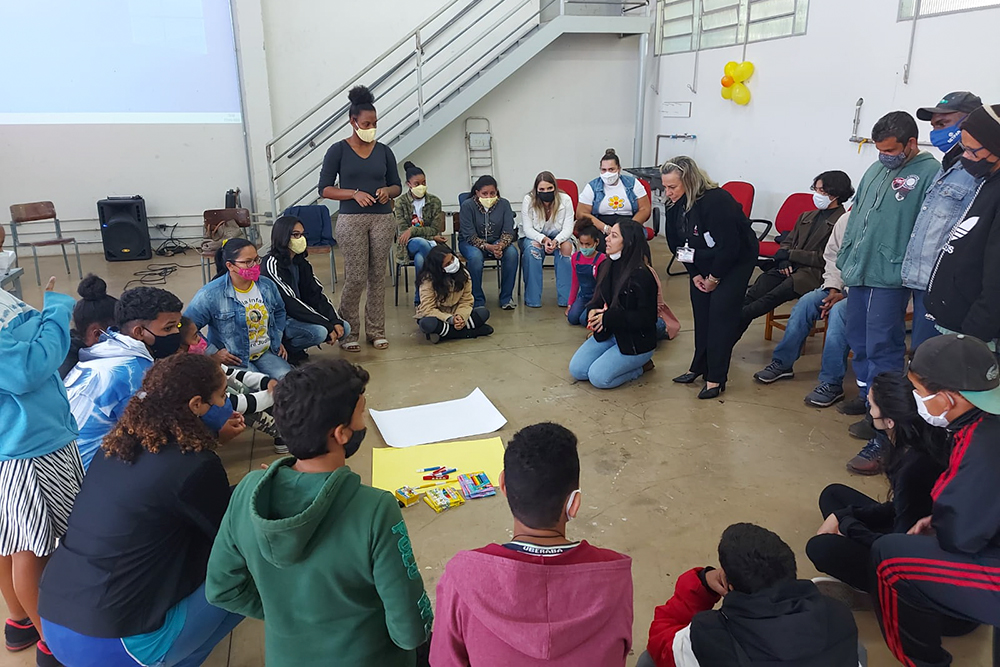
x=486, y=231
x=312, y=319
x=361, y=174
x=419, y=221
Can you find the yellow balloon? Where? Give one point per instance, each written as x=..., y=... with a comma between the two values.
x=741, y=94
x=730, y=68
x=727, y=92
x=743, y=71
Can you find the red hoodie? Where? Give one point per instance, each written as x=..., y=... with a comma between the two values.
x=501, y=607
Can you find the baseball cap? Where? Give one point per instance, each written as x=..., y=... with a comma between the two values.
x=960, y=101
x=961, y=363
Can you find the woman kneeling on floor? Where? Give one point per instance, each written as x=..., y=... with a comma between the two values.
x=446, y=309
x=622, y=314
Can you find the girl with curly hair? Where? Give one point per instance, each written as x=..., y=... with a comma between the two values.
x=126, y=586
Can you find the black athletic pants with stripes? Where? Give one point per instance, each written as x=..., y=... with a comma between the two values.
x=432, y=325
x=919, y=585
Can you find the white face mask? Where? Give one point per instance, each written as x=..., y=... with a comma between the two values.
x=934, y=420
x=615, y=255
x=569, y=503
x=821, y=201
x=366, y=136
x=453, y=266
x=609, y=177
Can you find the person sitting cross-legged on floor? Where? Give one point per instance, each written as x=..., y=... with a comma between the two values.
x=767, y=616
x=540, y=598
x=446, y=309
x=827, y=302
x=799, y=263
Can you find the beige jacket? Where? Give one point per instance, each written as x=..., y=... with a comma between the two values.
x=457, y=303
x=831, y=275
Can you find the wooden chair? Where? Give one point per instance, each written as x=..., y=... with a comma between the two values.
x=214, y=218
x=39, y=212
x=772, y=322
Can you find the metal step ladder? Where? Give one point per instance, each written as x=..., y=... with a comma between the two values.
x=479, y=147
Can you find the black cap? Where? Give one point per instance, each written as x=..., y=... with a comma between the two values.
x=961, y=101
x=961, y=363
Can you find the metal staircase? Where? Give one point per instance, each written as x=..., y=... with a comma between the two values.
x=437, y=72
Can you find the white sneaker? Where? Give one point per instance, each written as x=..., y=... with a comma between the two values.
x=836, y=589
x=280, y=447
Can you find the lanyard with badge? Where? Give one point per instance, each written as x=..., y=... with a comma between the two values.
x=685, y=254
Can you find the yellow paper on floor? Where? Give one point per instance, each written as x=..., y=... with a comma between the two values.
x=393, y=468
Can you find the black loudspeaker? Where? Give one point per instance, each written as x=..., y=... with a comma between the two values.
x=124, y=231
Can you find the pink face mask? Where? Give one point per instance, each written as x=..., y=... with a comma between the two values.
x=199, y=347
x=251, y=273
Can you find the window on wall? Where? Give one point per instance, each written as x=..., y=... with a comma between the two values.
x=690, y=25
x=935, y=7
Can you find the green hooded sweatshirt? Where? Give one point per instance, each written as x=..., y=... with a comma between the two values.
x=326, y=563
x=878, y=231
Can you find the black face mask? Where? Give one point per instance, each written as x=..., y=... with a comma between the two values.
x=164, y=346
x=977, y=168
x=352, y=446
x=547, y=197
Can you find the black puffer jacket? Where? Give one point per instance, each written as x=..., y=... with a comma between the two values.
x=964, y=290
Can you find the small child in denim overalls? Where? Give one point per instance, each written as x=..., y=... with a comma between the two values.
x=585, y=262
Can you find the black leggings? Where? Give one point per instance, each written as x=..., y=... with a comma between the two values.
x=836, y=555
x=447, y=331
x=769, y=291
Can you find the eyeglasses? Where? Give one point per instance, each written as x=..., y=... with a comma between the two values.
x=298, y=235
x=974, y=152
x=247, y=262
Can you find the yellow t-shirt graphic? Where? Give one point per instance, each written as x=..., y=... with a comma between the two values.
x=257, y=318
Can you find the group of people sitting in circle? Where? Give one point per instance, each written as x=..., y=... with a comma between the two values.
x=124, y=543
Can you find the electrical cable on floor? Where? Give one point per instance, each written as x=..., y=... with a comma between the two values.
x=156, y=274
x=172, y=246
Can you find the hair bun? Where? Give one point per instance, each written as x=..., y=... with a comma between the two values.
x=409, y=165
x=609, y=151
x=92, y=288
x=360, y=95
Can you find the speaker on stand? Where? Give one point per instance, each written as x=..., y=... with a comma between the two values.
x=124, y=230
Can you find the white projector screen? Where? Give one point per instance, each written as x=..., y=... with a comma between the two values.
x=117, y=61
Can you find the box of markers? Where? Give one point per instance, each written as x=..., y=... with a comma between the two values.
x=442, y=498
x=476, y=485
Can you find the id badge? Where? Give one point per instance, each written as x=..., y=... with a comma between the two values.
x=685, y=254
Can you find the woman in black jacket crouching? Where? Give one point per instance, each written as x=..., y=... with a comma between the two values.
x=312, y=319
x=621, y=315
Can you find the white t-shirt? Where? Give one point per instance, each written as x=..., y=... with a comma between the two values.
x=257, y=317
x=615, y=200
x=418, y=208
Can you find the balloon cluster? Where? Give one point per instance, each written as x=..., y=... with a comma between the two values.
x=733, y=87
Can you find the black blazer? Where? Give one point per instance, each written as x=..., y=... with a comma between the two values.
x=721, y=217
x=633, y=321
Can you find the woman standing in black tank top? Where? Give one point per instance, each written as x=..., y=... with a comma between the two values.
x=368, y=181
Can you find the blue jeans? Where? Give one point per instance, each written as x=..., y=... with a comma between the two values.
x=532, y=260
x=876, y=330
x=604, y=365
x=301, y=336
x=474, y=259
x=270, y=365
x=923, y=328
x=577, y=314
x=418, y=249
x=835, y=349
x=204, y=627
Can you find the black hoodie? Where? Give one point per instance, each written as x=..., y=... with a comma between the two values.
x=304, y=298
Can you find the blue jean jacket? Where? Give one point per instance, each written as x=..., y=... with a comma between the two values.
x=216, y=307
x=946, y=200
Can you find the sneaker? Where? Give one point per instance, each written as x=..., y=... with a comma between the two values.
x=484, y=330
x=297, y=357
x=280, y=447
x=835, y=588
x=825, y=395
x=773, y=372
x=510, y=305
x=263, y=422
x=44, y=657
x=869, y=459
x=19, y=635
x=855, y=406
x=433, y=337
x=862, y=430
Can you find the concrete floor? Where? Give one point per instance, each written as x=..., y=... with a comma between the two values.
x=662, y=472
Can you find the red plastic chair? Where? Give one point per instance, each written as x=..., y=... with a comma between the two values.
x=654, y=215
x=742, y=192
x=570, y=188
x=788, y=215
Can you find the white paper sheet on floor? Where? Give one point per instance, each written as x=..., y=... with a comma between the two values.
x=437, y=422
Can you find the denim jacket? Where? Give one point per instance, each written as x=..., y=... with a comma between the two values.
x=597, y=185
x=216, y=307
x=948, y=197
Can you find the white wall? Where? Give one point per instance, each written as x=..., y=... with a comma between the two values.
x=805, y=89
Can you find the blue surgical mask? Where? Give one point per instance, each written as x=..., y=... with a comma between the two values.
x=587, y=252
x=217, y=416
x=946, y=137
x=892, y=162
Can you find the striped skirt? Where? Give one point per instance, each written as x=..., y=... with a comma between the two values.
x=36, y=496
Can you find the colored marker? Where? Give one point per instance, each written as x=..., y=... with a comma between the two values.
x=427, y=486
x=426, y=477
x=448, y=471
x=430, y=469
